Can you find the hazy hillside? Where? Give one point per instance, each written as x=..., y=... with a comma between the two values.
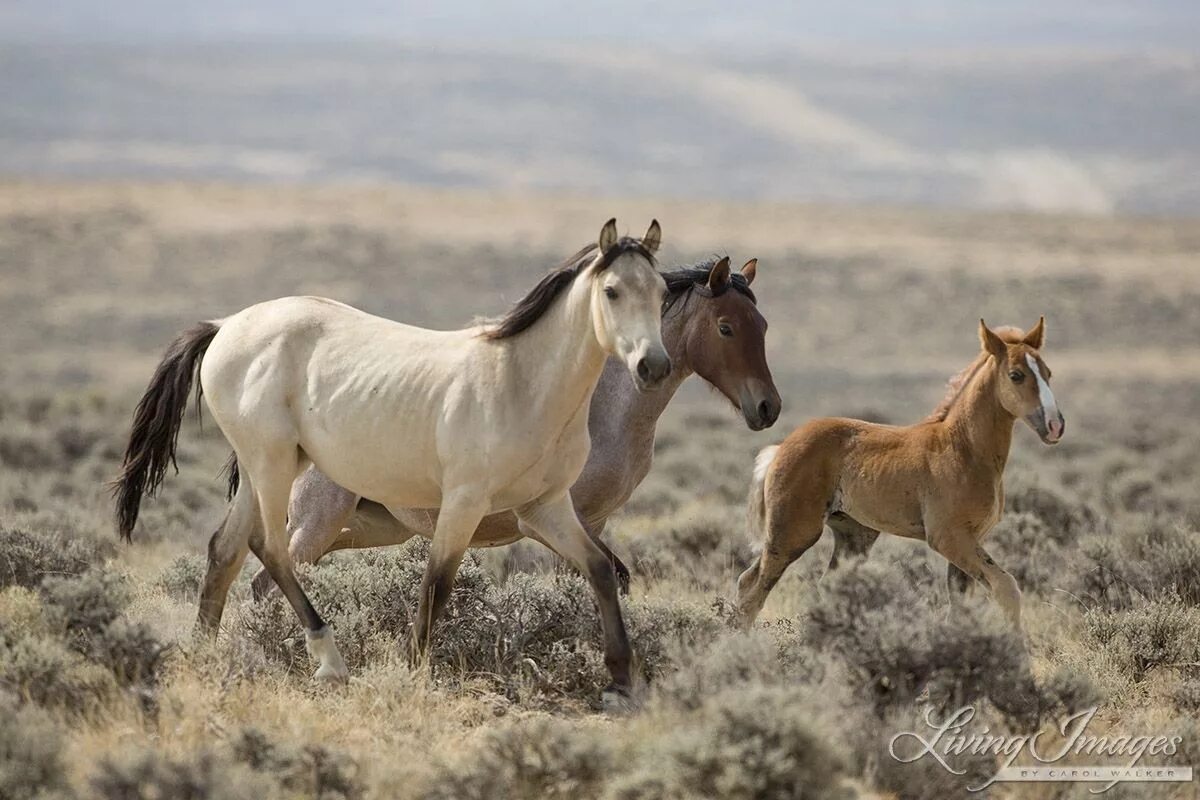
x=1066, y=130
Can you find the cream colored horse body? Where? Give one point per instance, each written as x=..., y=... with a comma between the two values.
x=471, y=421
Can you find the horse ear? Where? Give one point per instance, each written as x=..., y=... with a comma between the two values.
x=718, y=276
x=608, y=235
x=653, y=237
x=749, y=270
x=991, y=342
x=1037, y=335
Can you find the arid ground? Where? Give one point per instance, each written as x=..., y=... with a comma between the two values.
x=103, y=694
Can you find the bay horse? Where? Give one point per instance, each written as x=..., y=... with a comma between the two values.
x=472, y=421
x=711, y=327
x=941, y=480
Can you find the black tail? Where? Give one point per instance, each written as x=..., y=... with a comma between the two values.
x=156, y=424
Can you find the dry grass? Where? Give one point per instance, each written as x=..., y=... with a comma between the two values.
x=869, y=312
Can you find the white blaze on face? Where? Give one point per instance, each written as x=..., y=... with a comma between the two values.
x=1049, y=406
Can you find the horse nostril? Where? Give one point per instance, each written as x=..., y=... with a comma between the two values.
x=643, y=370
x=764, y=411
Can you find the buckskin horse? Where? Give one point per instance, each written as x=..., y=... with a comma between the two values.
x=473, y=421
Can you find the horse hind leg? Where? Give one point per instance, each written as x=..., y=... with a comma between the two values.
x=318, y=509
x=226, y=553
x=272, y=475
x=793, y=525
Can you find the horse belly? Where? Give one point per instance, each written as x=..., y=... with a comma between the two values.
x=549, y=476
x=889, y=506
x=396, y=471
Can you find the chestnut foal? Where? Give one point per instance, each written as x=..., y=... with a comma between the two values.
x=941, y=480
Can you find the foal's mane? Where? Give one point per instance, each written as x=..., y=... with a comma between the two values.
x=960, y=381
x=530, y=308
x=682, y=281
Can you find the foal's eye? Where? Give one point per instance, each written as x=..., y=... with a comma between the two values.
x=1017, y=376
x=725, y=328
x=610, y=293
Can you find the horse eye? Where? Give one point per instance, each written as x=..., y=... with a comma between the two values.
x=1017, y=376
x=610, y=293
x=725, y=329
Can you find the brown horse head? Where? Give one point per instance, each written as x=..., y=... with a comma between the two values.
x=724, y=336
x=1023, y=379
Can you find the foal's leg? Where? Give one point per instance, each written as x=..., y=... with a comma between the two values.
x=273, y=473
x=791, y=528
x=851, y=539
x=555, y=524
x=962, y=550
x=226, y=552
x=460, y=515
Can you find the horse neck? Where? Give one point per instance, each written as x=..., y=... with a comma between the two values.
x=978, y=424
x=623, y=419
x=558, y=360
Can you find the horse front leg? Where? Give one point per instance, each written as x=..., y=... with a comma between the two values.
x=460, y=515
x=595, y=531
x=963, y=550
x=851, y=539
x=555, y=524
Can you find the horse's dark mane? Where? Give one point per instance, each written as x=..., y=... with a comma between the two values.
x=530, y=308
x=684, y=280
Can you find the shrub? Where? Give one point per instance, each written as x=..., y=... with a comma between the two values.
x=149, y=775
x=896, y=646
x=923, y=778
x=526, y=760
x=313, y=771
x=183, y=578
x=752, y=742
x=1155, y=634
x=1153, y=557
x=26, y=558
x=44, y=671
x=532, y=630
x=31, y=763
x=733, y=661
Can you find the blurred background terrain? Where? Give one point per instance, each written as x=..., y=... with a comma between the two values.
x=1073, y=106
x=898, y=172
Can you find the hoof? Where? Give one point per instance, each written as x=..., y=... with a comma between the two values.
x=321, y=648
x=331, y=676
x=617, y=700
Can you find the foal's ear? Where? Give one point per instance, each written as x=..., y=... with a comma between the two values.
x=653, y=237
x=1037, y=335
x=991, y=342
x=718, y=276
x=608, y=235
x=749, y=270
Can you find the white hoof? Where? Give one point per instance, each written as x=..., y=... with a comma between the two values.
x=617, y=701
x=323, y=650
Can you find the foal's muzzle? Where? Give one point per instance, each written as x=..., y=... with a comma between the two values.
x=1050, y=431
x=652, y=369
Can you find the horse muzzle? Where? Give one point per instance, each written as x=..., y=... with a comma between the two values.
x=652, y=369
x=1050, y=431
x=760, y=410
